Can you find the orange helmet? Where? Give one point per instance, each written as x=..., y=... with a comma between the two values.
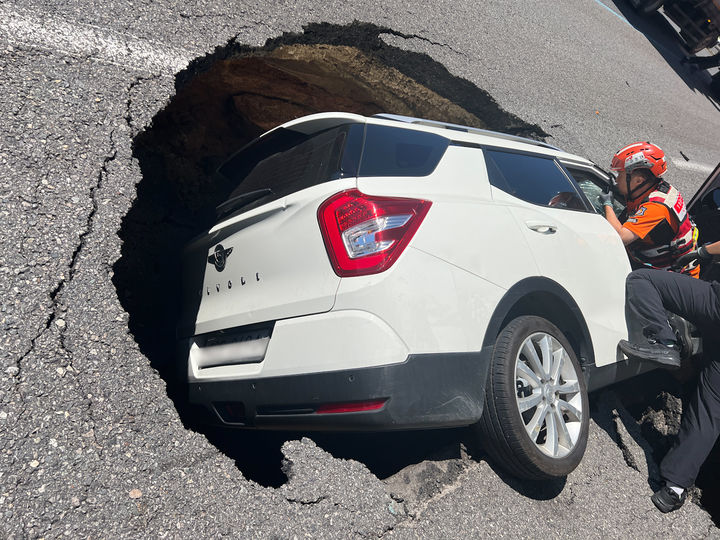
x=640, y=155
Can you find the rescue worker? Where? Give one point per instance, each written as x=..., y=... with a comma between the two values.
x=649, y=294
x=658, y=228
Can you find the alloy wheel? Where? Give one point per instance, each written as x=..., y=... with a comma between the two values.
x=549, y=399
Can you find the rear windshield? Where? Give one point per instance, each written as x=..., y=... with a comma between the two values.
x=286, y=161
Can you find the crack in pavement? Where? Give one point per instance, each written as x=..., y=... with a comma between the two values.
x=186, y=15
x=81, y=241
x=310, y=502
x=55, y=295
x=624, y=431
x=62, y=283
x=421, y=38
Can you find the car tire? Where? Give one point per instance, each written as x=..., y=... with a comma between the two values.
x=536, y=417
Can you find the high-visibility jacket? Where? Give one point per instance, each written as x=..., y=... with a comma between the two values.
x=668, y=240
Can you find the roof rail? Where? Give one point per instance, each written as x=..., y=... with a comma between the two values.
x=466, y=129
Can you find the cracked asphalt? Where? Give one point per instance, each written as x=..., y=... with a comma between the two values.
x=90, y=443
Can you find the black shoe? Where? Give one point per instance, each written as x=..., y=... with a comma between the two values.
x=667, y=356
x=667, y=500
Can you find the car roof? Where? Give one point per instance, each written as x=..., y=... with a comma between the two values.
x=464, y=129
x=454, y=132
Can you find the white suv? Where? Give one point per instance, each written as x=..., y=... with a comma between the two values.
x=395, y=273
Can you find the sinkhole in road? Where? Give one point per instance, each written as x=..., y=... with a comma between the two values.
x=225, y=100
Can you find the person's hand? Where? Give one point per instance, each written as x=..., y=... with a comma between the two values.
x=700, y=254
x=606, y=199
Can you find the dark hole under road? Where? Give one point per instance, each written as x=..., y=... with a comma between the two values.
x=225, y=100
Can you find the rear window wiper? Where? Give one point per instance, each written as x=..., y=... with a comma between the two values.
x=239, y=201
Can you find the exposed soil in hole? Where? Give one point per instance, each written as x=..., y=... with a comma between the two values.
x=224, y=101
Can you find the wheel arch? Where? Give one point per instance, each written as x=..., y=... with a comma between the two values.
x=543, y=297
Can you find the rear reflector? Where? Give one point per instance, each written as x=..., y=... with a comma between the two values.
x=351, y=407
x=365, y=234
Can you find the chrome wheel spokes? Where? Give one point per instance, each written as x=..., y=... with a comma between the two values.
x=548, y=395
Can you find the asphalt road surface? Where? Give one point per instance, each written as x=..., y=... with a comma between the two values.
x=91, y=445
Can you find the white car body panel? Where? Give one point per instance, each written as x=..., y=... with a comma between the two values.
x=460, y=176
x=481, y=233
x=435, y=307
x=280, y=256
x=455, y=306
x=464, y=227
x=586, y=256
x=314, y=343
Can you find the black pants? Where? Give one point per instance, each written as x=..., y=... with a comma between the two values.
x=649, y=293
x=705, y=62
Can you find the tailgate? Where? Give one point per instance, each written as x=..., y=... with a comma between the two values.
x=267, y=264
x=266, y=259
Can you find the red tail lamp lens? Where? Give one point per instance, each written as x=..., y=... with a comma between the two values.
x=365, y=234
x=358, y=406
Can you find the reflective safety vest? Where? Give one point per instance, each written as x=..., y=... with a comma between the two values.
x=672, y=240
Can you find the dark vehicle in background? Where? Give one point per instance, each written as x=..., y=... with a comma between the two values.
x=698, y=20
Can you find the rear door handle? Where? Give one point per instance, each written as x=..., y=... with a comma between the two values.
x=541, y=227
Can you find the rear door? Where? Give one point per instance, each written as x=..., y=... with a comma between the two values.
x=572, y=244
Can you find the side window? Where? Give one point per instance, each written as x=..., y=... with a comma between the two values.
x=534, y=179
x=591, y=184
x=391, y=151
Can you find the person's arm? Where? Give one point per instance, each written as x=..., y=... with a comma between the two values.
x=626, y=235
x=703, y=253
x=712, y=249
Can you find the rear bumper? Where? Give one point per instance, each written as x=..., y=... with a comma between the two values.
x=425, y=391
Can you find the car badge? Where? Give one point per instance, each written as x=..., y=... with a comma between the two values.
x=219, y=257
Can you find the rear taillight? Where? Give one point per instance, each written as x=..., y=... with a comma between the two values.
x=357, y=406
x=364, y=234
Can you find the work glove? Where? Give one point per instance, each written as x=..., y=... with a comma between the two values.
x=606, y=199
x=701, y=254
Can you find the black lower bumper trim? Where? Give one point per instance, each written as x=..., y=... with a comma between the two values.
x=600, y=377
x=427, y=390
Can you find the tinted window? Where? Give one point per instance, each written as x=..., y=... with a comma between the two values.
x=592, y=186
x=391, y=151
x=534, y=179
x=287, y=161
